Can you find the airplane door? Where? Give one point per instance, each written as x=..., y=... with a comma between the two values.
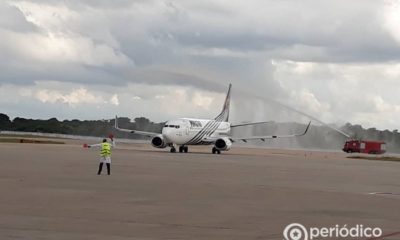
x=179, y=132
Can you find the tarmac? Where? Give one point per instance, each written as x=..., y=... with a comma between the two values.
x=53, y=192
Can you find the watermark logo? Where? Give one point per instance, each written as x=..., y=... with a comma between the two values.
x=297, y=231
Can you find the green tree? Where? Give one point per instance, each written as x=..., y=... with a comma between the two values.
x=5, y=122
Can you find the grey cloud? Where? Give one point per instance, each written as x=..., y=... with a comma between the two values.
x=12, y=19
x=26, y=75
x=344, y=31
x=200, y=44
x=288, y=30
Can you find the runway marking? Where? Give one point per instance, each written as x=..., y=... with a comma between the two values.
x=384, y=193
x=384, y=236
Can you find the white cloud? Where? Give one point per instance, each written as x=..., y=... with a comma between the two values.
x=343, y=92
x=49, y=17
x=114, y=100
x=304, y=99
x=391, y=15
x=381, y=106
x=73, y=98
x=202, y=101
x=57, y=41
x=159, y=97
x=61, y=48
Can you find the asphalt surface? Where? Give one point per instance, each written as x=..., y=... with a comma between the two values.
x=53, y=192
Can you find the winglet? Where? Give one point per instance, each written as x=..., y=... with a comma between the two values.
x=308, y=126
x=116, y=122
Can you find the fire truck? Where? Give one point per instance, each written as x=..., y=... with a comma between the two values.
x=362, y=146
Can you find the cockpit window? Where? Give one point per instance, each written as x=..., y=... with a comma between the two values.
x=172, y=126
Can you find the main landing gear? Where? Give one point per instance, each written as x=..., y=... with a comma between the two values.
x=215, y=151
x=184, y=149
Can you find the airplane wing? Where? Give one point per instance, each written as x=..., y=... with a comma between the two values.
x=148, y=134
x=263, y=138
x=248, y=124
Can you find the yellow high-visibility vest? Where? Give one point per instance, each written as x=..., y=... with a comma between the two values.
x=105, y=150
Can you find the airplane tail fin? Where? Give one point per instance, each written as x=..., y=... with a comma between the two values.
x=224, y=115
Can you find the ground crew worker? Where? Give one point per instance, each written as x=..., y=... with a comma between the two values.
x=105, y=154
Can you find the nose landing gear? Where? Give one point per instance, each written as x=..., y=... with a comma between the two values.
x=172, y=149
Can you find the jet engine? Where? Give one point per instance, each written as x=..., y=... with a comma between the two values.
x=158, y=142
x=223, y=144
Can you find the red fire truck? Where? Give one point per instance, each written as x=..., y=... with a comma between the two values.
x=362, y=146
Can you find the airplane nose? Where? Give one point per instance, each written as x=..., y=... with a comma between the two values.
x=167, y=133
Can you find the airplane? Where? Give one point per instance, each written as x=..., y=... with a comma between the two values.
x=183, y=132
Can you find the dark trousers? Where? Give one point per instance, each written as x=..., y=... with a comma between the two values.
x=101, y=168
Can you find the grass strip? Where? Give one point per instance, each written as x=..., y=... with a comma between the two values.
x=25, y=140
x=383, y=158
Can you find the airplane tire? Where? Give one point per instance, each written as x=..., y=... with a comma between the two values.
x=214, y=150
x=185, y=149
x=181, y=149
x=173, y=150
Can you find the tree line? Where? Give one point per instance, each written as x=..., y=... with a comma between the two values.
x=96, y=128
x=318, y=137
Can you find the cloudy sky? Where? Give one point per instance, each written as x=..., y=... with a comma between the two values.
x=336, y=60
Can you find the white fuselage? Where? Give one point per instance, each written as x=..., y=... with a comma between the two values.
x=190, y=131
